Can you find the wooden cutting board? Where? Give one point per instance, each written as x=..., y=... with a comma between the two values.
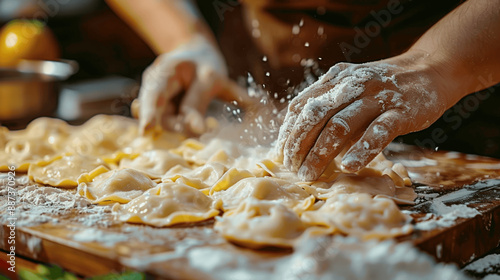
x=450, y=178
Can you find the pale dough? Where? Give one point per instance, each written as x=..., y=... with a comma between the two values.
x=154, y=163
x=361, y=215
x=114, y=186
x=63, y=172
x=260, y=223
x=166, y=179
x=168, y=204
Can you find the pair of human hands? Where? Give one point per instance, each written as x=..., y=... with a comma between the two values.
x=354, y=109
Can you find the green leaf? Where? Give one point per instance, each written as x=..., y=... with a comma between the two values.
x=28, y=275
x=124, y=276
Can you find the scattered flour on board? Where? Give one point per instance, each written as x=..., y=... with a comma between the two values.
x=95, y=235
x=327, y=258
x=492, y=277
x=39, y=204
x=488, y=264
x=447, y=215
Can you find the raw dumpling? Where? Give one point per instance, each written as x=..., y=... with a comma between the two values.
x=22, y=152
x=154, y=163
x=202, y=177
x=260, y=223
x=360, y=215
x=168, y=204
x=230, y=178
x=114, y=186
x=63, y=172
x=262, y=189
x=102, y=135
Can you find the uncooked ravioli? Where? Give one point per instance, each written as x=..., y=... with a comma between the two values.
x=102, y=135
x=259, y=223
x=360, y=215
x=114, y=186
x=52, y=132
x=266, y=188
x=168, y=204
x=154, y=163
x=20, y=153
x=63, y=172
x=231, y=177
x=163, y=141
x=352, y=183
x=265, y=204
x=202, y=177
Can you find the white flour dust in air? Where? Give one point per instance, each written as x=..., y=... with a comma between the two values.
x=259, y=124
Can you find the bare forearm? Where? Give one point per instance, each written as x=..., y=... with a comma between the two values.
x=165, y=24
x=464, y=47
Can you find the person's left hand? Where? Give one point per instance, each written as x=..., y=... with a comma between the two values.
x=360, y=109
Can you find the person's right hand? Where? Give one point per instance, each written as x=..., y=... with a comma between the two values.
x=178, y=87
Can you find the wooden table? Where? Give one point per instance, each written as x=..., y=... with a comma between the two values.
x=451, y=178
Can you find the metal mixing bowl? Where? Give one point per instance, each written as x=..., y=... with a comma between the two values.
x=31, y=88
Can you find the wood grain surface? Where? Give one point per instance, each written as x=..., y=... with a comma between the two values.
x=451, y=178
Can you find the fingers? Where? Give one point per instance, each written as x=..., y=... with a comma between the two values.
x=319, y=102
x=134, y=108
x=154, y=102
x=378, y=135
x=316, y=113
x=323, y=85
x=341, y=129
x=194, y=105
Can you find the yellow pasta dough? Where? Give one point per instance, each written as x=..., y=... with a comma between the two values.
x=261, y=223
x=360, y=215
x=63, y=172
x=229, y=178
x=114, y=186
x=262, y=203
x=202, y=177
x=168, y=204
x=52, y=132
x=21, y=153
x=262, y=189
x=154, y=163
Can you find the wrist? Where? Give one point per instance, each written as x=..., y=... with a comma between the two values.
x=451, y=79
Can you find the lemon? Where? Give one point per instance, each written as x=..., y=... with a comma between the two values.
x=26, y=39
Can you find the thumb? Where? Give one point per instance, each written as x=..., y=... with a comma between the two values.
x=195, y=103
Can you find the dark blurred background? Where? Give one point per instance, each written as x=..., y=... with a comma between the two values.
x=112, y=57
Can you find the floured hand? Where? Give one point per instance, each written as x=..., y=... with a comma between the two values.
x=178, y=87
x=358, y=109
